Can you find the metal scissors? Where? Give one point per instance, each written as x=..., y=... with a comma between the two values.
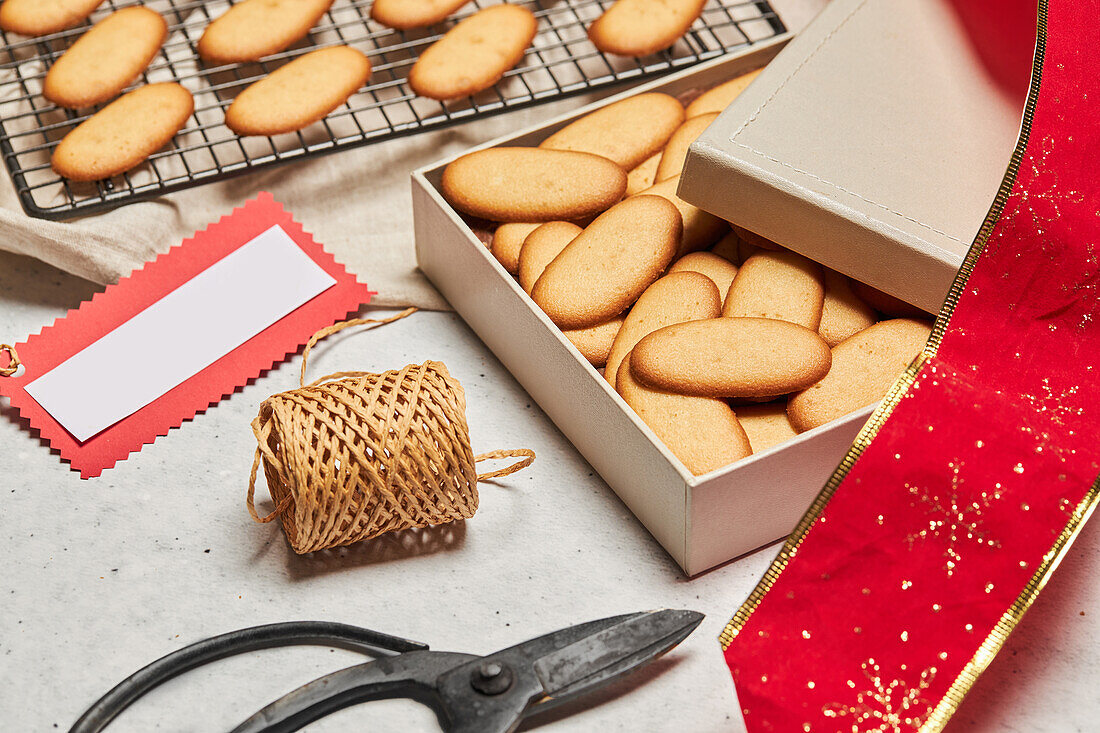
x=486, y=694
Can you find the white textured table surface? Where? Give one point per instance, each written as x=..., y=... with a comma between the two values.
x=102, y=576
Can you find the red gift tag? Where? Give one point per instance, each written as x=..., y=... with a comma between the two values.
x=178, y=335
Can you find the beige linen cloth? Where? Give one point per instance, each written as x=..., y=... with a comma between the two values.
x=356, y=202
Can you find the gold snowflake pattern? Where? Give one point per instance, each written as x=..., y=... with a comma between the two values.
x=956, y=520
x=1036, y=202
x=885, y=706
x=1053, y=406
x=1039, y=203
x=1086, y=290
x=1047, y=443
x=1091, y=258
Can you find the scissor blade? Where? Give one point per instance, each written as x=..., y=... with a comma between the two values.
x=611, y=652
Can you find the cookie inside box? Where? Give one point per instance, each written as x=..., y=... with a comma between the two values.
x=724, y=343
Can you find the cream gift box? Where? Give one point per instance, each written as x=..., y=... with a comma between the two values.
x=702, y=521
x=874, y=144
x=903, y=225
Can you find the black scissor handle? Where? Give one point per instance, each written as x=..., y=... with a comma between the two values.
x=412, y=675
x=254, y=638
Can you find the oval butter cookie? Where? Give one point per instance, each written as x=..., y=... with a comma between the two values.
x=701, y=228
x=718, y=98
x=767, y=425
x=672, y=160
x=731, y=358
x=756, y=241
x=720, y=270
x=728, y=248
x=675, y=298
x=405, y=14
x=474, y=54
x=253, y=29
x=781, y=285
x=746, y=250
x=124, y=133
x=885, y=303
x=643, y=176
x=106, y=59
x=864, y=368
x=642, y=27
x=299, y=93
x=540, y=248
x=627, y=132
x=843, y=314
x=42, y=17
x=604, y=270
x=532, y=184
x=594, y=342
x=508, y=241
x=702, y=432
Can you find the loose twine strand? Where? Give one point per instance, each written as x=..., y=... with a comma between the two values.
x=352, y=455
x=13, y=360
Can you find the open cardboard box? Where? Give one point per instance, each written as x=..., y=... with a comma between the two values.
x=702, y=521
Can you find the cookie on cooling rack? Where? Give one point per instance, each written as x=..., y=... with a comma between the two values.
x=38, y=18
x=405, y=14
x=300, y=93
x=124, y=133
x=106, y=59
x=642, y=27
x=474, y=55
x=252, y=29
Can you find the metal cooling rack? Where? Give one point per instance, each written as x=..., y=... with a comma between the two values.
x=561, y=62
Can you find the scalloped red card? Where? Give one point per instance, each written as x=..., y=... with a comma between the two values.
x=178, y=335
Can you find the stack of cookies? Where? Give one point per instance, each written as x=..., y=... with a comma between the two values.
x=723, y=342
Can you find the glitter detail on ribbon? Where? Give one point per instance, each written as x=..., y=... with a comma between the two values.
x=883, y=706
x=954, y=517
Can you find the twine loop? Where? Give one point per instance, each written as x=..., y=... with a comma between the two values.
x=13, y=360
x=528, y=459
x=352, y=455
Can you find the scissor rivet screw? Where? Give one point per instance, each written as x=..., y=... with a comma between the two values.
x=492, y=678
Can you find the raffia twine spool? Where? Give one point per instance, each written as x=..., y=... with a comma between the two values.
x=354, y=454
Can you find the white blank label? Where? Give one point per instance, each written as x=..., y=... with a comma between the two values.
x=181, y=334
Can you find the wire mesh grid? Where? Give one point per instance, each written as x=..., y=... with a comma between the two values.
x=561, y=61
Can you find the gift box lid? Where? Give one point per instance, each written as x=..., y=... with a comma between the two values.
x=874, y=143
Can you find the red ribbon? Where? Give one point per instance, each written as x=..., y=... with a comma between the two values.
x=973, y=478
